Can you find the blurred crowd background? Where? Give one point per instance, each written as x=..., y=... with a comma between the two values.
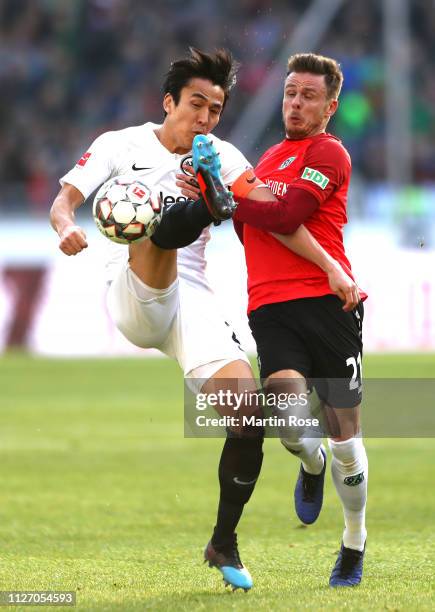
x=70, y=70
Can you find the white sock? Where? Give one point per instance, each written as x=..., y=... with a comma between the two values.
x=308, y=451
x=349, y=469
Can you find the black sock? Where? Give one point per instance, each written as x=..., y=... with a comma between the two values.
x=228, y=518
x=182, y=224
x=239, y=469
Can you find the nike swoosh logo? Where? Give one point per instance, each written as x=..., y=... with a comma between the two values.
x=242, y=482
x=134, y=167
x=252, y=180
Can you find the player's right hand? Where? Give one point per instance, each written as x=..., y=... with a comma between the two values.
x=72, y=240
x=188, y=185
x=343, y=286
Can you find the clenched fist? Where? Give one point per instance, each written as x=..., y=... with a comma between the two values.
x=73, y=240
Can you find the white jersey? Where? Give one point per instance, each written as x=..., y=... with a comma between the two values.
x=136, y=151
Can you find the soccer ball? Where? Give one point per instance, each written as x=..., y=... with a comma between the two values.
x=125, y=210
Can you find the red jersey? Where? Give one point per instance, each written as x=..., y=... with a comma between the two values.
x=322, y=166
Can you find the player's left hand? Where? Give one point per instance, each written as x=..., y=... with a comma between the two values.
x=343, y=286
x=188, y=185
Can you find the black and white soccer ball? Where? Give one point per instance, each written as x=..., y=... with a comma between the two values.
x=126, y=210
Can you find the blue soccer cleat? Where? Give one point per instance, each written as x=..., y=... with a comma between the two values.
x=207, y=167
x=348, y=568
x=227, y=560
x=309, y=493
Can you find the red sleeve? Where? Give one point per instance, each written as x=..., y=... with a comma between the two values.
x=326, y=166
x=238, y=226
x=283, y=216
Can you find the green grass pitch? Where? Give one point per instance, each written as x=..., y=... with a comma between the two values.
x=100, y=493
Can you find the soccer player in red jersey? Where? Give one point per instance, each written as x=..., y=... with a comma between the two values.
x=301, y=329
x=305, y=336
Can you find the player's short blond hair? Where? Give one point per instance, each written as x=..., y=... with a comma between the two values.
x=318, y=64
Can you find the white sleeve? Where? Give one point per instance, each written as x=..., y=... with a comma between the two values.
x=233, y=162
x=95, y=166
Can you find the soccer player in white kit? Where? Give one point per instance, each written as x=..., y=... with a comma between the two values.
x=160, y=296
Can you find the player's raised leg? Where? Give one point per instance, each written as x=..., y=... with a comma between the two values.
x=155, y=267
x=183, y=223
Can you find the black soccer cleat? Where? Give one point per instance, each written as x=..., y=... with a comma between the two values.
x=207, y=167
x=227, y=560
x=309, y=493
x=348, y=568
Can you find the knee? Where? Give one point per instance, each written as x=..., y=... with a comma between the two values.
x=293, y=444
x=247, y=432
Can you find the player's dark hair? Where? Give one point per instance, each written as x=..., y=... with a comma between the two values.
x=318, y=64
x=220, y=68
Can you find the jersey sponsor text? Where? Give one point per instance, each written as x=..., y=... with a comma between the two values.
x=315, y=176
x=277, y=187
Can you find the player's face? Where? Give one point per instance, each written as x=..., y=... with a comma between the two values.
x=197, y=112
x=306, y=108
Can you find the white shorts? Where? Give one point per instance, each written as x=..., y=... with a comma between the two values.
x=183, y=321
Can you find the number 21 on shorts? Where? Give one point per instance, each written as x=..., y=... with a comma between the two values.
x=356, y=380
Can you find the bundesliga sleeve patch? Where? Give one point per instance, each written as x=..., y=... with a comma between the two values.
x=315, y=177
x=84, y=158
